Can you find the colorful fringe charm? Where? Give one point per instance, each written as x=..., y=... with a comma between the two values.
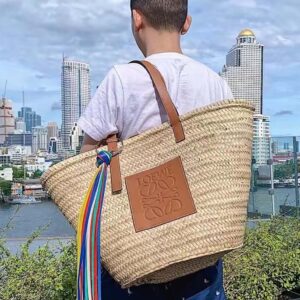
x=88, y=234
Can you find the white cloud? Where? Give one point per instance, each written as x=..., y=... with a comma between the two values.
x=35, y=33
x=284, y=41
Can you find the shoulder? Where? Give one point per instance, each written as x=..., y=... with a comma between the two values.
x=208, y=78
x=131, y=76
x=129, y=71
x=111, y=76
x=120, y=78
x=199, y=68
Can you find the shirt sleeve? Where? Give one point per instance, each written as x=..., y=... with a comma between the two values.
x=103, y=115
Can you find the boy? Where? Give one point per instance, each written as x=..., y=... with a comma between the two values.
x=126, y=103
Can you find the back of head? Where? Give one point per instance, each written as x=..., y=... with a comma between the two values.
x=167, y=15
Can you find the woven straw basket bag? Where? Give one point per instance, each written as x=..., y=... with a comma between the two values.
x=153, y=231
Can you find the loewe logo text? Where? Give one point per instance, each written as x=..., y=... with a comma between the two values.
x=159, y=194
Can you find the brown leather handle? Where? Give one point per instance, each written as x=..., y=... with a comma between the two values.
x=112, y=141
x=165, y=98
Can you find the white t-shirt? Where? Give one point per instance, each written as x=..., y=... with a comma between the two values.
x=126, y=102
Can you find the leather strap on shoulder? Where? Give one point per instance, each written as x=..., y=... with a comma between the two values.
x=165, y=98
x=112, y=141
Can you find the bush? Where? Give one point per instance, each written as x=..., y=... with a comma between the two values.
x=269, y=263
x=37, y=174
x=43, y=275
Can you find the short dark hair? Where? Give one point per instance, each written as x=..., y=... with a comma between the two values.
x=163, y=14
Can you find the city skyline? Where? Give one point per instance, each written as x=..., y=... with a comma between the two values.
x=102, y=37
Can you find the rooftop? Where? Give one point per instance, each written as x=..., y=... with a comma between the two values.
x=246, y=32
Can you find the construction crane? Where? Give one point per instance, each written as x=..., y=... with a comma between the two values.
x=4, y=93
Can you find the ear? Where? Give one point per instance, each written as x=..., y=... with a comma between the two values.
x=137, y=20
x=187, y=25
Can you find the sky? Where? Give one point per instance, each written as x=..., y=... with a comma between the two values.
x=34, y=34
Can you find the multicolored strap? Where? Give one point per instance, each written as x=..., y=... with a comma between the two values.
x=88, y=233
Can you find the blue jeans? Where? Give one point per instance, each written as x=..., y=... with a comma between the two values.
x=206, y=284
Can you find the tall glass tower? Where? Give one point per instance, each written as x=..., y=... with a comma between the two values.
x=244, y=69
x=30, y=117
x=75, y=95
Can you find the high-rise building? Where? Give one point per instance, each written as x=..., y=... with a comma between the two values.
x=261, y=139
x=7, y=120
x=53, y=145
x=75, y=95
x=275, y=147
x=20, y=125
x=76, y=138
x=39, y=139
x=30, y=117
x=244, y=69
x=52, y=130
x=19, y=139
x=244, y=74
x=286, y=146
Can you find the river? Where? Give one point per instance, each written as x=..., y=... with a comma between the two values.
x=19, y=222
x=261, y=201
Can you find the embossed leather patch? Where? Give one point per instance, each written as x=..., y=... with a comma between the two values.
x=159, y=196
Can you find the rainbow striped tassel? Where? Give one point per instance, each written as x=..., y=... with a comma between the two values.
x=88, y=233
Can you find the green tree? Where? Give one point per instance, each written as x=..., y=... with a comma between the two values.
x=18, y=173
x=5, y=187
x=37, y=174
x=284, y=171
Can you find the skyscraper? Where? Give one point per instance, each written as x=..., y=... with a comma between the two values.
x=39, y=139
x=261, y=139
x=7, y=120
x=75, y=95
x=244, y=73
x=52, y=130
x=54, y=145
x=20, y=125
x=244, y=69
x=76, y=138
x=30, y=117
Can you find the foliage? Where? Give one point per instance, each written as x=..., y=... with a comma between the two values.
x=18, y=173
x=285, y=171
x=37, y=174
x=269, y=263
x=3, y=167
x=5, y=187
x=38, y=276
